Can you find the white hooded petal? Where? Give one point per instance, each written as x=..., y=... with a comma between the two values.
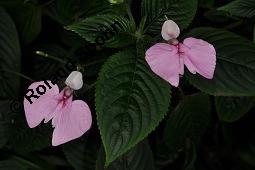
x=170, y=30
x=74, y=80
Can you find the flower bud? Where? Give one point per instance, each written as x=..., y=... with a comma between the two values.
x=170, y=30
x=74, y=80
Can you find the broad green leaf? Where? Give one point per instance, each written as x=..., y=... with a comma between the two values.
x=181, y=11
x=130, y=102
x=14, y=129
x=67, y=11
x=235, y=66
x=29, y=23
x=101, y=29
x=24, y=139
x=21, y=138
x=217, y=16
x=230, y=109
x=120, y=40
x=242, y=8
x=138, y=158
x=189, y=120
x=81, y=153
x=10, y=56
x=27, y=17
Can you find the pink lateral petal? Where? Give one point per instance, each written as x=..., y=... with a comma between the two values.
x=71, y=122
x=42, y=106
x=200, y=57
x=164, y=61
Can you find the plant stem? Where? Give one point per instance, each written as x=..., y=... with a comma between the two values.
x=233, y=25
x=19, y=74
x=141, y=26
x=43, y=54
x=92, y=63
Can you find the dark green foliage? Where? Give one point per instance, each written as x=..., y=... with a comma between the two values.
x=231, y=109
x=140, y=157
x=130, y=103
x=188, y=121
x=10, y=56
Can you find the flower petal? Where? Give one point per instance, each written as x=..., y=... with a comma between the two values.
x=164, y=61
x=40, y=107
x=71, y=122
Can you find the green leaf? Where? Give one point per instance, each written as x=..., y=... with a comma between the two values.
x=21, y=138
x=27, y=17
x=217, y=16
x=230, y=109
x=81, y=153
x=14, y=129
x=10, y=56
x=138, y=158
x=102, y=28
x=181, y=11
x=130, y=102
x=235, y=67
x=121, y=40
x=66, y=11
x=29, y=23
x=189, y=120
x=24, y=139
x=241, y=8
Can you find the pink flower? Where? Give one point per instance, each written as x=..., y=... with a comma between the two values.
x=167, y=60
x=70, y=119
